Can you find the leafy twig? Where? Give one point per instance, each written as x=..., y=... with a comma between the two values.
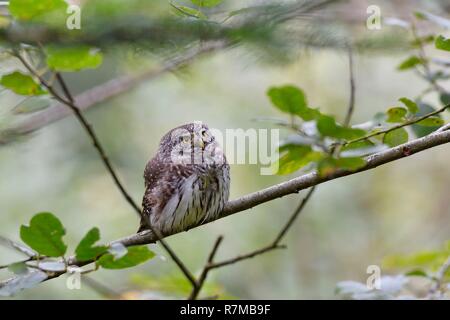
x=69, y=101
x=404, y=124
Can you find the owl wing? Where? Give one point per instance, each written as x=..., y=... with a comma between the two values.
x=161, y=181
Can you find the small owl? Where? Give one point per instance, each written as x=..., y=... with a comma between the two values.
x=187, y=182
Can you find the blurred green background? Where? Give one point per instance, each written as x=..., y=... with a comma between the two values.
x=349, y=224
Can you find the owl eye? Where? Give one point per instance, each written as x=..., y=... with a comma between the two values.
x=185, y=138
x=204, y=133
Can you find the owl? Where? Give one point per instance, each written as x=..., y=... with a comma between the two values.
x=186, y=182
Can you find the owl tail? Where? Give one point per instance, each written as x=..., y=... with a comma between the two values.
x=143, y=225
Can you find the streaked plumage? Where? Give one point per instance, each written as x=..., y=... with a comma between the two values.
x=186, y=182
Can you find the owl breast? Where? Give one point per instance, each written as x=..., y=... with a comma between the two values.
x=198, y=197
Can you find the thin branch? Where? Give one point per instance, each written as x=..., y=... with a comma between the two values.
x=292, y=186
x=202, y=278
x=351, y=104
x=276, y=242
x=95, y=141
x=440, y=277
x=109, y=90
x=404, y=124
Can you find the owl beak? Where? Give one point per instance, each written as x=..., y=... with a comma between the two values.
x=200, y=144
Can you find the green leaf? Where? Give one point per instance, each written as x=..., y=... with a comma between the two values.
x=442, y=43
x=396, y=114
x=295, y=157
x=30, y=9
x=45, y=235
x=329, y=165
x=18, y=268
x=420, y=130
x=431, y=122
x=358, y=145
x=417, y=273
x=206, y=3
x=411, y=105
x=21, y=84
x=86, y=250
x=292, y=100
x=328, y=127
x=188, y=12
x=63, y=58
x=409, y=63
x=445, y=99
x=135, y=255
x=396, y=137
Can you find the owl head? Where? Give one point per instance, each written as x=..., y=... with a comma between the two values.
x=191, y=144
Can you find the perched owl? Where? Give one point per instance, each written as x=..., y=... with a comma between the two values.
x=186, y=182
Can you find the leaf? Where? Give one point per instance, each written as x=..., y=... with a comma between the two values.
x=329, y=165
x=45, y=235
x=327, y=126
x=295, y=157
x=292, y=100
x=188, y=12
x=86, y=250
x=409, y=63
x=25, y=281
x=18, y=268
x=30, y=9
x=417, y=273
x=358, y=145
x=206, y=3
x=442, y=43
x=411, y=105
x=21, y=84
x=396, y=114
x=419, y=130
x=431, y=122
x=73, y=58
x=135, y=255
x=396, y=137
x=445, y=99
x=431, y=260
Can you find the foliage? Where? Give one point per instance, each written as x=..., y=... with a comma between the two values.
x=426, y=275
x=45, y=236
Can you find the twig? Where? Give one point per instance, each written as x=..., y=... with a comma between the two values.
x=109, y=90
x=273, y=246
x=202, y=278
x=276, y=242
x=292, y=186
x=404, y=124
x=440, y=276
x=351, y=104
x=101, y=288
x=105, y=159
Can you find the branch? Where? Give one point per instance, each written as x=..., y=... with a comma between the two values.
x=351, y=104
x=109, y=90
x=201, y=280
x=404, y=124
x=69, y=102
x=308, y=180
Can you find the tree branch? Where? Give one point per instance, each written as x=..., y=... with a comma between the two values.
x=69, y=102
x=404, y=124
x=109, y=90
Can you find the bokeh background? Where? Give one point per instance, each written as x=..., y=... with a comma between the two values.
x=349, y=224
